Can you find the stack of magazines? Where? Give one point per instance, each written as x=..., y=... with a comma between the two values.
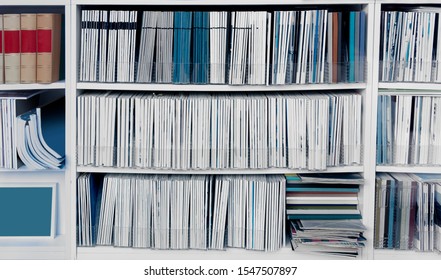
x=342, y=238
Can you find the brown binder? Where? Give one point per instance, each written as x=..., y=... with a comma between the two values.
x=48, y=47
x=11, y=39
x=28, y=48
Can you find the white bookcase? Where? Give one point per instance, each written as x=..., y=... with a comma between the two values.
x=64, y=245
x=366, y=194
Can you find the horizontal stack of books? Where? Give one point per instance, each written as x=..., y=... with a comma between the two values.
x=323, y=213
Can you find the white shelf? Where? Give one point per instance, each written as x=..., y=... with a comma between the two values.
x=38, y=248
x=87, y=169
x=26, y=169
x=221, y=88
x=409, y=169
x=10, y=87
x=108, y=252
x=225, y=2
x=385, y=254
x=411, y=86
x=400, y=2
x=35, y=3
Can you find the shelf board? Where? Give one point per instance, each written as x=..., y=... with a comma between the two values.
x=385, y=254
x=108, y=252
x=56, y=85
x=400, y=2
x=33, y=248
x=225, y=2
x=409, y=169
x=88, y=169
x=35, y=3
x=35, y=243
x=211, y=88
x=428, y=88
x=26, y=169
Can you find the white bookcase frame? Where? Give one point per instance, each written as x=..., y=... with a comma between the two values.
x=366, y=193
x=65, y=244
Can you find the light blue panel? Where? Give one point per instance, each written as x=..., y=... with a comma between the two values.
x=25, y=211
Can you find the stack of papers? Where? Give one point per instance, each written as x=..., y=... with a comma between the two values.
x=342, y=238
x=331, y=178
x=326, y=199
x=323, y=213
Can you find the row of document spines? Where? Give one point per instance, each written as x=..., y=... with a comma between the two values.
x=336, y=141
x=347, y=53
x=30, y=48
x=211, y=197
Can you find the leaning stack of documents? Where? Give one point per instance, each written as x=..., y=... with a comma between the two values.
x=182, y=212
x=31, y=146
